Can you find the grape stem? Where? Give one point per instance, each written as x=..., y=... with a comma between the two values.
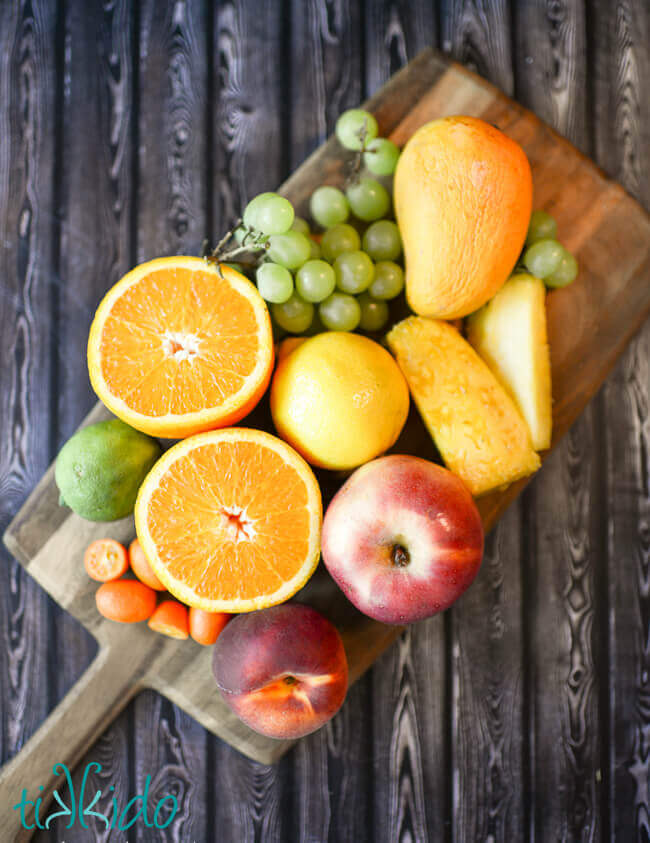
x=252, y=241
x=355, y=169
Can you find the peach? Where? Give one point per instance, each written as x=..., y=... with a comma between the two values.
x=402, y=538
x=282, y=670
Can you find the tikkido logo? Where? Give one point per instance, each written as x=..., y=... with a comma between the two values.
x=78, y=811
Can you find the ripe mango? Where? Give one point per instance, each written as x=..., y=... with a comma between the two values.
x=463, y=197
x=509, y=333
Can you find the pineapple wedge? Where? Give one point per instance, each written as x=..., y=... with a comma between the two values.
x=475, y=424
x=509, y=333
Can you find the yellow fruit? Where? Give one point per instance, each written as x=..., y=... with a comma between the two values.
x=339, y=399
x=510, y=335
x=476, y=427
x=463, y=198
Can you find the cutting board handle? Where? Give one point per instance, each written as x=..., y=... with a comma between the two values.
x=65, y=736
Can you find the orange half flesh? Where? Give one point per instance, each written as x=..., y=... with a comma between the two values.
x=230, y=520
x=177, y=348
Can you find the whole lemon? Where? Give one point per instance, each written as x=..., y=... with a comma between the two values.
x=339, y=399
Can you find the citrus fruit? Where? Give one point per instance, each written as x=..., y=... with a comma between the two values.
x=105, y=560
x=288, y=345
x=339, y=399
x=230, y=520
x=206, y=627
x=170, y=618
x=126, y=601
x=141, y=567
x=100, y=468
x=180, y=346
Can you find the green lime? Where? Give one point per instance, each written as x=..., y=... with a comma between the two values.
x=100, y=469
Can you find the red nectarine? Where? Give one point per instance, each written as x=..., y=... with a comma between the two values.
x=283, y=670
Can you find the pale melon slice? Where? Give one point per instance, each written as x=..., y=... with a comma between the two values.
x=509, y=333
x=475, y=424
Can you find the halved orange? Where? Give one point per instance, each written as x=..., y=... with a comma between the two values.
x=176, y=348
x=230, y=520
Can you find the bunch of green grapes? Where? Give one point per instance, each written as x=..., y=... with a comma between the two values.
x=350, y=276
x=544, y=256
x=343, y=278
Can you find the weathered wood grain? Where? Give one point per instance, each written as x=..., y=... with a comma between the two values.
x=627, y=402
x=27, y=117
x=171, y=751
x=488, y=688
x=172, y=128
x=401, y=789
x=350, y=760
x=251, y=800
x=95, y=193
x=566, y=758
x=478, y=35
x=622, y=145
x=247, y=119
x=326, y=73
x=551, y=65
x=395, y=32
x=621, y=113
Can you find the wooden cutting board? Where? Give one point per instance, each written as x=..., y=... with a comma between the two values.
x=590, y=323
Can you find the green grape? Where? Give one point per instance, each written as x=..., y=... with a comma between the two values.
x=374, y=313
x=338, y=239
x=274, y=282
x=565, y=273
x=315, y=250
x=352, y=125
x=382, y=242
x=301, y=225
x=269, y=213
x=354, y=272
x=340, y=312
x=294, y=315
x=368, y=199
x=315, y=281
x=381, y=157
x=388, y=282
x=543, y=258
x=328, y=206
x=542, y=226
x=291, y=249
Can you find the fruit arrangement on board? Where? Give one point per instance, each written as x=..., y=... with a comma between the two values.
x=424, y=275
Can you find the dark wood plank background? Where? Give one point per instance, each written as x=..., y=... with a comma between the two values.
x=130, y=130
